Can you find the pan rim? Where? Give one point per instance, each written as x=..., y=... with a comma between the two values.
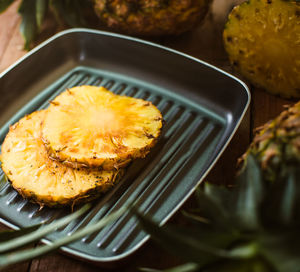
x=245, y=88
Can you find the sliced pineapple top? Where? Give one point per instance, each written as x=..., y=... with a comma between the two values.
x=34, y=175
x=262, y=38
x=90, y=126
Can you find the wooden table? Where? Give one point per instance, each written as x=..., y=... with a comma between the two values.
x=204, y=42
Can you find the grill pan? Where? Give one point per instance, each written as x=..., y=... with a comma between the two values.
x=202, y=107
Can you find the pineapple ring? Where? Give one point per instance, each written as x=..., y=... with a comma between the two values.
x=35, y=176
x=89, y=126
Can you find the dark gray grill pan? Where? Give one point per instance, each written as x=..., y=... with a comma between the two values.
x=202, y=107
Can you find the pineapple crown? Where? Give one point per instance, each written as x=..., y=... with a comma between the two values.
x=33, y=13
x=251, y=227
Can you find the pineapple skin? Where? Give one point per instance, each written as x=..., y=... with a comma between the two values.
x=81, y=131
x=41, y=180
x=276, y=145
x=151, y=17
x=262, y=39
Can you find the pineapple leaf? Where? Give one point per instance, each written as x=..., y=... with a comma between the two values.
x=282, y=251
x=187, y=267
x=289, y=199
x=195, y=217
x=70, y=11
x=27, y=235
x=248, y=250
x=198, y=245
x=250, y=191
x=23, y=255
x=79, y=6
x=3, y=182
x=28, y=27
x=8, y=235
x=249, y=265
x=265, y=221
x=4, y=4
x=280, y=209
x=210, y=201
x=41, y=10
x=55, y=10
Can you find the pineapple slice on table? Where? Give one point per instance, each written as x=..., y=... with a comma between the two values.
x=262, y=39
x=44, y=181
x=89, y=126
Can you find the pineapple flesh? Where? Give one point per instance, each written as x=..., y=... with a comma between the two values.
x=262, y=39
x=89, y=126
x=277, y=145
x=44, y=181
x=151, y=17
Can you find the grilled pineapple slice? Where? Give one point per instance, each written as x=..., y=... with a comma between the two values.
x=89, y=126
x=35, y=176
x=262, y=38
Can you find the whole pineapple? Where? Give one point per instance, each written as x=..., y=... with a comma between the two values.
x=276, y=145
x=262, y=39
x=151, y=17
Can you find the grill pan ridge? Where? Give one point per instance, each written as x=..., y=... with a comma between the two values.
x=198, y=126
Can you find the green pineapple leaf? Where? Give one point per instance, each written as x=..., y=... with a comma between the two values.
x=8, y=235
x=33, y=14
x=41, y=10
x=212, y=207
x=28, y=254
x=280, y=210
x=264, y=218
x=24, y=236
x=188, y=267
x=198, y=245
x=4, y=4
x=249, y=193
x=282, y=250
x=195, y=218
x=28, y=27
x=290, y=199
x=70, y=11
x=3, y=182
x=256, y=264
x=79, y=7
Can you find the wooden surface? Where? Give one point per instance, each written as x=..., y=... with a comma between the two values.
x=204, y=42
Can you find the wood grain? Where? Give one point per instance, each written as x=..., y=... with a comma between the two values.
x=203, y=42
x=11, y=46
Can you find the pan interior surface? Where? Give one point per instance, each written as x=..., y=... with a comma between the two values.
x=189, y=137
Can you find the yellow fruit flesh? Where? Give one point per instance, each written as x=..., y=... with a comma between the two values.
x=35, y=176
x=90, y=126
x=262, y=38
